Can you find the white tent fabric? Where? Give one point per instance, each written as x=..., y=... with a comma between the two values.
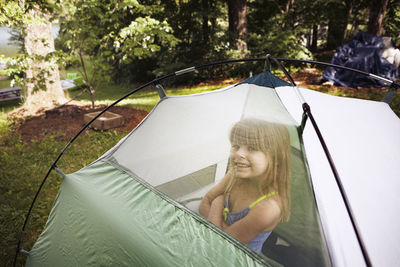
x=364, y=141
x=208, y=119
x=363, y=138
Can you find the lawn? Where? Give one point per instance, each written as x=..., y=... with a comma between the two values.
x=145, y=99
x=23, y=164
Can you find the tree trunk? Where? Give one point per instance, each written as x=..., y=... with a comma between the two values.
x=377, y=11
x=206, y=31
x=314, y=39
x=349, y=7
x=86, y=76
x=336, y=25
x=237, y=11
x=289, y=4
x=43, y=77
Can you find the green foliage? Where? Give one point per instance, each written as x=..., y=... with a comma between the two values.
x=281, y=40
x=14, y=13
x=392, y=21
x=11, y=13
x=19, y=15
x=16, y=66
x=201, y=27
x=114, y=33
x=139, y=38
x=134, y=41
x=279, y=43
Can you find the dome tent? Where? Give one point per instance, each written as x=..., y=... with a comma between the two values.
x=137, y=204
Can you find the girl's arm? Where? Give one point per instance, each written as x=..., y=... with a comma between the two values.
x=214, y=192
x=262, y=218
x=215, y=214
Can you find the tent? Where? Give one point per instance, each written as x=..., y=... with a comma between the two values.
x=366, y=52
x=137, y=205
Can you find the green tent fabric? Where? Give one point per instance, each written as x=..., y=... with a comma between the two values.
x=124, y=223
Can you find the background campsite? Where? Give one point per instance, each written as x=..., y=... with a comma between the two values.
x=111, y=47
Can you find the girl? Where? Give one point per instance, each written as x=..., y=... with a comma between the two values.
x=253, y=197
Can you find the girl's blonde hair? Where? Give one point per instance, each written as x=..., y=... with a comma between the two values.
x=272, y=139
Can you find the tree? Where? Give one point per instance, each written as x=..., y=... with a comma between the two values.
x=392, y=21
x=338, y=14
x=111, y=35
x=377, y=16
x=238, y=29
x=39, y=65
x=42, y=71
x=206, y=28
x=201, y=27
x=278, y=28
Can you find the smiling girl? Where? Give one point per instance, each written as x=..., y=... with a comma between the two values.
x=253, y=197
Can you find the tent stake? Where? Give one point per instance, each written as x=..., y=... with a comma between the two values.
x=388, y=98
x=160, y=90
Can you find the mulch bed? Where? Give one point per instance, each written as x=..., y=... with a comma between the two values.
x=69, y=120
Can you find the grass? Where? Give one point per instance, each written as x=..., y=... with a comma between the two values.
x=145, y=99
x=23, y=165
x=4, y=83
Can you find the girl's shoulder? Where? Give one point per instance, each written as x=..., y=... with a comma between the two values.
x=270, y=204
x=267, y=212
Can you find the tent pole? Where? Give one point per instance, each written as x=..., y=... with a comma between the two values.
x=307, y=111
x=284, y=71
x=307, y=114
x=267, y=65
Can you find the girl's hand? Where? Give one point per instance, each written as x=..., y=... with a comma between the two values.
x=224, y=225
x=214, y=192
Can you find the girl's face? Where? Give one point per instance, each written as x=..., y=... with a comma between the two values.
x=248, y=162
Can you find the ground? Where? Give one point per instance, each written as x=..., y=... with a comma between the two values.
x=69, y=119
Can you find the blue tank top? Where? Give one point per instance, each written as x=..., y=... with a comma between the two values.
x=232, y=217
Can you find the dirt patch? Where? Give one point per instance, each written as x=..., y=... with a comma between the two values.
x=69, y=120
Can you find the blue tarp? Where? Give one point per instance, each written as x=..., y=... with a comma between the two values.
x=363, y=53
